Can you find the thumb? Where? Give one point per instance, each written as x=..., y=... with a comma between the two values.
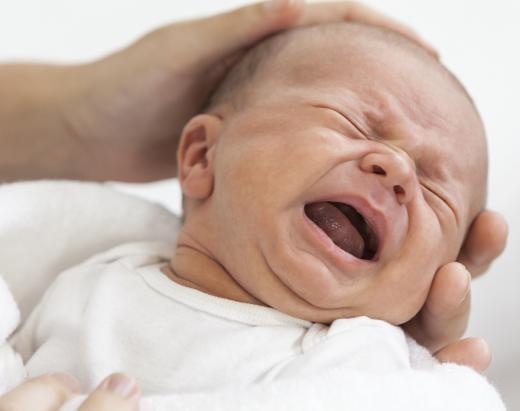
x=228, y=32
x=117, y=392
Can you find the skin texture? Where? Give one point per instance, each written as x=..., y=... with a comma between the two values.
x=319, y=137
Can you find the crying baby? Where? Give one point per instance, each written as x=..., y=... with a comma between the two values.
x=332, y=173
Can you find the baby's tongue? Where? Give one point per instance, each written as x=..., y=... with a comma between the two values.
x=337, y=226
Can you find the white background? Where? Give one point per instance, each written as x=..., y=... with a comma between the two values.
x=478, y=40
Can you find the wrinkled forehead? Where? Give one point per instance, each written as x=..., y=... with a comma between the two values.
x=398, y=95
x=367, y=57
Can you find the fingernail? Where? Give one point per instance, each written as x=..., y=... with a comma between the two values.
x=467, y=285
x=68, y=380
x=121, y=385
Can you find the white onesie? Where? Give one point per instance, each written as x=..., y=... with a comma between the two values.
x=117, y=312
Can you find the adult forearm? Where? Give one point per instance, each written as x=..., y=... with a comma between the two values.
x=35, y=140
x=119, y=118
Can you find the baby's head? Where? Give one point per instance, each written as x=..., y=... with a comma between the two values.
x=335, y=170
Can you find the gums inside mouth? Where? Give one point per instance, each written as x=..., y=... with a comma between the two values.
x=346, y=227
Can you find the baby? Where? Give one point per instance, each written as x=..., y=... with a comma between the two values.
x=335, y=169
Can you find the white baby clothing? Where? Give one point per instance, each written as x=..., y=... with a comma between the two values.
x=118, y=312
x=189, y=351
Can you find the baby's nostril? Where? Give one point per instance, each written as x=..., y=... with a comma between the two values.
x=378, y=170
x=398, y=190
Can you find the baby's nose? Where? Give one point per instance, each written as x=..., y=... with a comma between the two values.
x=395, y=171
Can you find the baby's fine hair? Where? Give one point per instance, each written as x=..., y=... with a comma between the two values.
x=236, y=87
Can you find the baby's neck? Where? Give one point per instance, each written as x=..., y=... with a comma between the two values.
x=193, y=266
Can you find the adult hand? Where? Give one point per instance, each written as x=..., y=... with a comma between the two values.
x=49, y=392
x=444, y=318
x=128, y=109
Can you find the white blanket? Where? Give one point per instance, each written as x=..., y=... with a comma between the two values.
x=46, y=227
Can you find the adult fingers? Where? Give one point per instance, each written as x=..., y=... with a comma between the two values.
x=485, y=241
x=117, y=392
x=353, y=11
x=444, y=316
x=45, y=393
x=471, y=352
x=226, y=33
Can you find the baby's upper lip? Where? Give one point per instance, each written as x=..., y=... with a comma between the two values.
x=375, y=217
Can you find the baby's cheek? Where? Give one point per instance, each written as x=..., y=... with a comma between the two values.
x=406, y=307
x=411, y=282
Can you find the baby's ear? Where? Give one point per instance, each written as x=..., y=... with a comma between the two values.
x=196, y=154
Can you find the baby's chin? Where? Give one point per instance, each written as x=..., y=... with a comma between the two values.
x=376, y=303
x=327, y=316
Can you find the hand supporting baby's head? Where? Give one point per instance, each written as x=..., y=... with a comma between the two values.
x=335, y=170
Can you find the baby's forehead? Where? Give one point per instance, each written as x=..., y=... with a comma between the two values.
x=307, y=54
x=327, y=55
x=385, y=79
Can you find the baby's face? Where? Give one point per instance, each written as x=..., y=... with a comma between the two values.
x=345, y=184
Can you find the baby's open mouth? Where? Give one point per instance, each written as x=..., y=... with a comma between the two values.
x=346, y=227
